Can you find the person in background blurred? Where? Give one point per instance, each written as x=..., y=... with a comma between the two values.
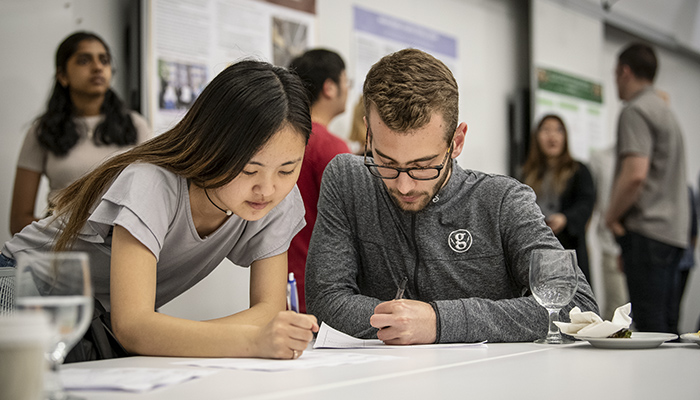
x=649, y=211
x=358, y=129
x=564, y=186
x=85, y=123
x=324, y=76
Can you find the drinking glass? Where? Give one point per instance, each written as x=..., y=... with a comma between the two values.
x=58, y=284
x=553, y=282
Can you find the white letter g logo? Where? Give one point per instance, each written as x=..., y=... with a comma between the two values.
x=460, y=240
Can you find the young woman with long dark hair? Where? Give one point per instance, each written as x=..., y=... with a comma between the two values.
x=85, y=123
x=160, y=217
x=564, y=186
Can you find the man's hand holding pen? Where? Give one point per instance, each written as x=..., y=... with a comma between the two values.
x=403, y=321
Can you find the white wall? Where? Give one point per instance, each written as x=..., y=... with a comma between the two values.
x=565, y=40
x=671, y=23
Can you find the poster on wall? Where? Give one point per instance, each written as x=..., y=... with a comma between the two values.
x=191, y=41
x=376, y=35
x=579, y=102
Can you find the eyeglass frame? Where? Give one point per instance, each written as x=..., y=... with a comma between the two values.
x=398, y=170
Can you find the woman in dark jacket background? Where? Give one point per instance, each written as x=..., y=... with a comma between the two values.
x=564, y=186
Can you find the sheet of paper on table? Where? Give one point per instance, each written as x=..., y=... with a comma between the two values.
x=329, y=338
x=309, y=359
x=126, y=379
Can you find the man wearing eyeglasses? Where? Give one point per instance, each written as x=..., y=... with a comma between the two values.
x=462, y=239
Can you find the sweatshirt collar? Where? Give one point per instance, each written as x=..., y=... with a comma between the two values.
x=450, y=188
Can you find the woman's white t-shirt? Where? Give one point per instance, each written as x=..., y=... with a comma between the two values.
x=61, y=171
x=153, y=205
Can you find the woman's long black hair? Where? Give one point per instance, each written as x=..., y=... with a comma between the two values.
x=57, y=131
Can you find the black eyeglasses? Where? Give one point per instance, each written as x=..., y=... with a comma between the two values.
x=417, y=173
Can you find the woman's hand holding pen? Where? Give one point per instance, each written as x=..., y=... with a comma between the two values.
x=286, y=336
x=404, y=322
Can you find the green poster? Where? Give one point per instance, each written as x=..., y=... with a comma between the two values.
x=569, y=85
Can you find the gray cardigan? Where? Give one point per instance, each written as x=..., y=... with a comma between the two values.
x=467, y=253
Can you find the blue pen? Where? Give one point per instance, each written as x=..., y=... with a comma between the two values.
x=292, y=294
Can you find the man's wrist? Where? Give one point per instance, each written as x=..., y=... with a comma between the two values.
x=437, y=321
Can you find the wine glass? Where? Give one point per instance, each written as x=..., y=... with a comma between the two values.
x=553, y=282
x=58, y=284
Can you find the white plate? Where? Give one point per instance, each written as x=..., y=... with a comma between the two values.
x=639, y=340
x=691, y=337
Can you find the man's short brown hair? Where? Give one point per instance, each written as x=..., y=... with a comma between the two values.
x=407, y=87
x=641, y=59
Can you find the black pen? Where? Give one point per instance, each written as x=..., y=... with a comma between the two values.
x=401, y=289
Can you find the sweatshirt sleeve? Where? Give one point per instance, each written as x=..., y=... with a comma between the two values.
x=520, y=318
x=332, y=264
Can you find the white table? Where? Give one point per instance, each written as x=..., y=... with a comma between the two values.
x=495, y=371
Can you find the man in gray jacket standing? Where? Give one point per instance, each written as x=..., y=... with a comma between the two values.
x=461, y=238
x=649, y=212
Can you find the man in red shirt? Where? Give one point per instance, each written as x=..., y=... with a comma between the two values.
x=323, y=73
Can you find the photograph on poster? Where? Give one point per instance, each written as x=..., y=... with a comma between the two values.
x=180, y=84
x=289, y=39
x=218, y=32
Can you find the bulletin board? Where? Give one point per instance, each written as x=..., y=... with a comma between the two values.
x=188, y=42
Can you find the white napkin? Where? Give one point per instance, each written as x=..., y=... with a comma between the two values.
x=589, y=324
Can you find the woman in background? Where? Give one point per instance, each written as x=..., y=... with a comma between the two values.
x=160, y=217
x=358, y=129
x=85, y=123
x=564, y=186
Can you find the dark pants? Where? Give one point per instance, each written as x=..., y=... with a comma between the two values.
x=7, y=262
x=650, y=267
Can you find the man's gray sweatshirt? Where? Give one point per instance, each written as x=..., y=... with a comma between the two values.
x=467, y=253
